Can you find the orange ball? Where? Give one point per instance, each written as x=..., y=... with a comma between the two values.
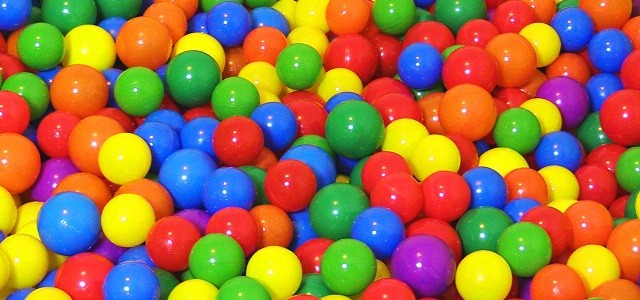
x=558, y=281
x=632, y=30
x=543, y=9
x=467, y=110
x=80, y=90
x=274, y=225
x=515, y=57
x=189, y=7
x=531, y=87
x=265, y=159
x=171, y=16
x=264, y=44
x=12, y=42
x=429, y=106
x=88, y=184
x=570, y=65
x=624, y=243
x=19, y=162
x=607, y=13
x=526, y=183
x=590, y=223
x=618, y=289
x=86, y=139
x=153, y=192
x=235, y=62
x=144, y=41
x=347, y=16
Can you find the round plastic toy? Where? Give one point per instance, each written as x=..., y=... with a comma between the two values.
x=237, y=141
x=420, y=66
x=402, y=135
x=334, y=208
x=216, y=258
x=487, y=188
x=290, y=185
x=446, y=195
x=608, y=49
x=559, y=148
x=626, y=170
x=139, y=91
x=480, y=228
x=526, y=247
x=16, y=14
x=32, y=88
x=516, y=59
x=190, y=79
x=434, y=153
x=617, y=117
x=83, y=275
x=27, y=260
x=470, y=65
x=237, y=223
x=569, y=96
x=87, y=184
x=467, y=110
x=194, y=289
x=79, y=89
x=243, y=287
x=228, y=187
x=512, y=16
x=68, y=15
x=430, y=32
x=595, y=264
x=518, y=129
x=144, y=41
x=274, y=224
x=348, y=125
x=15, y=113
x=298, y=66
x=558, y=281
x=348, y=267
x=483, y=274
x=170, y=241
x=229, y=23
x=342, y=53
x=124, y=157
x=338, y=80
x=131, y=281
x=41, y=46
x=380, y=229
x=607, y=13
x=399, y=192
x=278, y=269
x=345, y=17
x=234, y=96
x=124, y=212
x=20, y=162
x=394, y=17
x=386, y=288
x=278, y=124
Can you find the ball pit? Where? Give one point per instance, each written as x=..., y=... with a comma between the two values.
x=333, y=149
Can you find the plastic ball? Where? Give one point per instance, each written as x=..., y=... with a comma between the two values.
x=616, y=289
x=434, y=153
x=190, y=80
x=21, y=162
x=310, y=36
x=467, y=110
x=380, y=229
x=574, y=27
x=274, y=225
x=338, y=80
x=229, y=23
x=559, y=148
x=348, y=267
x=237, y=223
x=512, y=16
x=628, y=77
x=341, y=54
x=278, y=124
x=27, y=260
x=124, y=212
x=47, y=293
x=394, y=17
x=193, y=289
x=290, y=185
x=607, y=13
x=16, y=14
x=198, y=133
x=516, y=59
x=348, y=125
x=83, y=275
x=517, y=208
x=399, y=192
x=526, y=247
x=298, y=66
x=557, y=281
x=346, y=17
x=445, y=196
x=332, y=212
x=569, y=96
x=216, y=258
x=89, y=45
x=14, y=113
x=161, y=141
x=114, y=8
x=183, y=174
x=170, y=241
x=626, y=169
x=124, y=157
x=136, y=254
x=487, y=187
x=264, y=44
x=517, y=129
x=312, y=13
x=590, y=132
x=234, y=96
x=420, y=66
x=145, y=42
x=170, y=15
x=379, y=165
x=617, y=117
x=41, y=46
x=623, y=244
x=310, y=254
x=312, y=284
x=454, y=14
x=69, y=15
x=402, y=135
x=112, y=25
x=483, y=274
x=139, y=91
x=131, y=281
x=7, y=205
x=477, y=32
x=204, y=43
x=386, y=288
x=608, y=49
x=480, y=228
x=267, y=16
x=32, y=88
x=595, y=264
x=167, y=282
x=237, y=141
x=79, y=89
x=317, y=159
x=597, y=183
x=243, y=287
x=228, y=187
x=278, y=269
x=470, y=65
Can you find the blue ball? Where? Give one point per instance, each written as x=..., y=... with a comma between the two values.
x=420, y=66
x=183, y=174
x=137, y=254
x=48, y=280
x=69, y=223
x=20, y=294
x=131, y=280
x=14, y=14
x=600, y=86
x=575, y=28
x=229, y=23
x=167, y=116
x=346, y=165
x=47, y=75
x=228, y=187
x=481, y=146
x=379, y=228
x=278, y=124
x=518, y=207
x=198, y=23
x=198, y=134
x=339, y=98
x=317, y=159
x=487, y=188
x=424, y=3
x=559, y=148
x=161, y=71
x=162, y=140
x=302, y=229
x=2, y=236
x=267, y=16
x=111, y=75
x=608, y=49
x=112, y=25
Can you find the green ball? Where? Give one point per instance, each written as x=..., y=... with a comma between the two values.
x=298, y=66
x=526, y=247
x=437, y=88
x=243, y=288
x=191, y=77
x=630, y=208
x=67, y=15
x=455, y=13
x=167, y=282
x=423, y=15
x=206, y=5
x=312, y=284
x=567, y=3
x=628, y=169
x=354, y=129
x=257, y=176
x=334, y=208
x=260, y=3
x=618, y=221
x=315, y=140
x=355, y=178
x=41, y=46
x=590, y=132
x=35, y=16
x=394, y=17
x=517, y=129
x=33, y=89
x=126, y=9
x=447, y=51
x=186, y=275
x=216, y=258
x=138, y=91
x=480, y=228
x=234, y=96
x=348, y=266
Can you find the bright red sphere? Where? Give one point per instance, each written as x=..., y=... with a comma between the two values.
x=382, y=164
x=237, y=223
x=82, y=275
x=446, y=196
x=470, y=65
x=620, y=117
x=354, y=52
x=238, y=141
x=14, y=113
x=170, y=241
x=290, y=185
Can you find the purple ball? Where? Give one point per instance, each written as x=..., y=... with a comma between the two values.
x=198, y=217
x=425, y=263
x=569, y=96
x=108, y=249
x=53, y=171
x=525, y=288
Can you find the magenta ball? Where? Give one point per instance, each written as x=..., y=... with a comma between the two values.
x=569, y=96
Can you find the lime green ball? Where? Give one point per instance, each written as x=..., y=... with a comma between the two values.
x=348, y=267
x=526, y=247
x=454, y=13
x=628, y=169
x=33, y=89
x=517, y=129
x=394, y=17
x=355, y=178
x=354, y=129
x=67, y=15
x=234, y=96
x=243, y=288
x=260, y=3
x=119, y=8
x=41, y=46
x=216, y=258
x=206, y=5
x=138, y=91
x=191, y=77
x=298, y=66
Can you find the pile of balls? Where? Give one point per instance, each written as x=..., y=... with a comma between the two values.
x=319, y=149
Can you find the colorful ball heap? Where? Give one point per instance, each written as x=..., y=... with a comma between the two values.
x=319, y=149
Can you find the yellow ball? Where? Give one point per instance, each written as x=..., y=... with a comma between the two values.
x=503, y=160
x=124, y=157
x=202, y=42
x=545, y=41
x=561, y=183
x=432, y=154
x=89, y=45
x=483, y=275
x=312, y=13
x=288, y=9
x=339, y=80
x=402, y=135
x=31, y=229
x=263, y=76
x=595, y=264
x=311, y=36
x=546, y=112
x=335, y=297
x=127, y=219
x=27, y=213
x=28, y=260
x=8, y=210
x=342, y=178
x=48, y=293
x=194, y=289
x=562, y=204
x=278, y=269
x=382, y=270
x=266, y=96
x=4, y=269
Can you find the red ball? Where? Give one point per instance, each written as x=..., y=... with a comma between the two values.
x=237, y=141
x=354, y=52
x=384, y=85
x=597, y=183
x=310, y=254
x=302, y=96
x=82, y=275
x=237, y=223
x=399, y=192
x=170, y=241
x=290, y=185
x=446, y=196
x=620, y=117
x=605, y=156
x=512, y=16
x=10, y=65
x=513, y=97
x=439, y=229
x=477, y=32
x=303, y=297
x=311, y=117
x=618, y=207
x=555, y=223
x=629, y=72
x=117, y=114
x=200, y=111
x=470, y=65
x=430, y=32
x=394, y=106
x=388, y=288
x=381, y=164
x=389, y=48
x=14, y=113
x=468, y=152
